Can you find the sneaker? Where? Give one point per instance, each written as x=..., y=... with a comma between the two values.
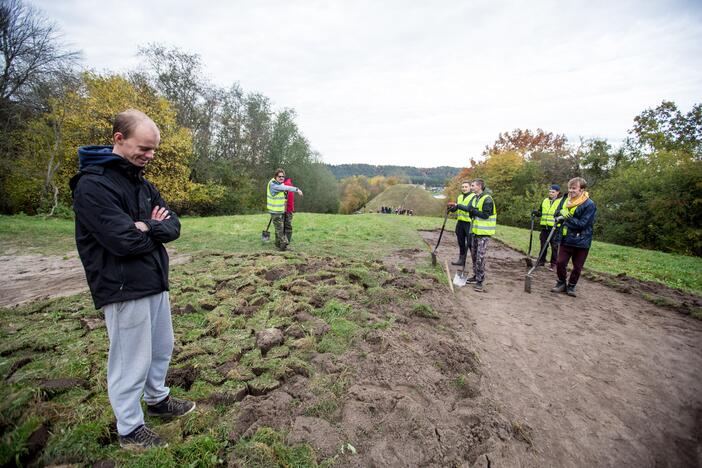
x=559, y=287
x=550, y=268
x=170, y=407
x=141, y=438
x=479, y=287
x=472, y=280
x=570, y=290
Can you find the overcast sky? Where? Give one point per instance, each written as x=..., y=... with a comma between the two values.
x=414, y=82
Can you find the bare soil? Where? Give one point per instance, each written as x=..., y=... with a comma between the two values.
x=25, y=278
x=604, y=379
x=500, y=379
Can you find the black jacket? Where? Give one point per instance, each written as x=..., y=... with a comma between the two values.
x=121, y=262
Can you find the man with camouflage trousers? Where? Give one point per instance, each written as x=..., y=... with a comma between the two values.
x=276, y=202
x=484, y=214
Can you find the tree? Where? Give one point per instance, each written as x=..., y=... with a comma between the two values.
x=354, y=194
x=31, y=51
x=654, y=203
x=665, y=128
x=526, y=143
x=84, y=116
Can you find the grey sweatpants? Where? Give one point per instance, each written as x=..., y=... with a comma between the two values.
x=141, y=344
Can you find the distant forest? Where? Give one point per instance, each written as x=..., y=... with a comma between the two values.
x=432, y=176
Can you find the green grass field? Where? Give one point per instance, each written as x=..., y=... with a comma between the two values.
x=360, y=236
x=226, y=293
x=219, y=301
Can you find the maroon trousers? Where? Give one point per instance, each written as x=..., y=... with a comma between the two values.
x=565, y=253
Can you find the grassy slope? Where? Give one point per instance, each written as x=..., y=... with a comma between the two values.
x=368, y=236
x=409, y=197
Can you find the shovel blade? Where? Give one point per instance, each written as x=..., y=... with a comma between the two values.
x=433, y=259
x=459, y=280
x=265, y=236
x=527, y=284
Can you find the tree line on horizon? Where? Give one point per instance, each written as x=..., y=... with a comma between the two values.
x=429, y=176
x=220, y=146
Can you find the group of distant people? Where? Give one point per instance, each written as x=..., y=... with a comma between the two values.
x=397, y=211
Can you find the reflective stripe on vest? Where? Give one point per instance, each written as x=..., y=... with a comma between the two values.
x=572, y=212
x=485, y=227
x=464, y=200
x=548, y=211
x=275, y=203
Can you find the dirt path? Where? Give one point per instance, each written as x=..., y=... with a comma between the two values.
x=604, y=379
x=26, y=278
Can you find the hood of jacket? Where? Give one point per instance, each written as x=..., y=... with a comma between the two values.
x=96, y=155
x=94, y=159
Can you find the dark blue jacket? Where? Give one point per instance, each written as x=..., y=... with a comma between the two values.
x=579, y=226
x=109, y=195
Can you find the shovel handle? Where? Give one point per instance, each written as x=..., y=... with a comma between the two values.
x=541, y=254
x=442, y=232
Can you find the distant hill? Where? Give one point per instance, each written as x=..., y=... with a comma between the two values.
x=432, y=176
x=407, y=196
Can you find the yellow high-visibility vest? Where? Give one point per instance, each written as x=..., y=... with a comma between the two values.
x=485, y=227
x=275, y=203
x=572, y=212
x=548, y=211
x=464, y=200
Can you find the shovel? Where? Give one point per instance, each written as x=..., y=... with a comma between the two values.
x=265, y=235
x=528, y=260
x=460, y=278
x=433, y=253
x=527, y=278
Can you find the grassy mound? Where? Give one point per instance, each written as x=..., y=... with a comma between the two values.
x=410, y=197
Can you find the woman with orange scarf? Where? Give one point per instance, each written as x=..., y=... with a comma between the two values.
x=578, y=218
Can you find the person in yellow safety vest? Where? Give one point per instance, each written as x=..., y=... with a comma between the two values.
x=276, y=203
x=550, y=206
x=463, y=220
x=484, y=214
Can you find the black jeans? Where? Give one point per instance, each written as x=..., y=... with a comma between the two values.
x=463, y=236
x=553, y=244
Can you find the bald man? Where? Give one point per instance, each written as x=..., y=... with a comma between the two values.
x=121, y=225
